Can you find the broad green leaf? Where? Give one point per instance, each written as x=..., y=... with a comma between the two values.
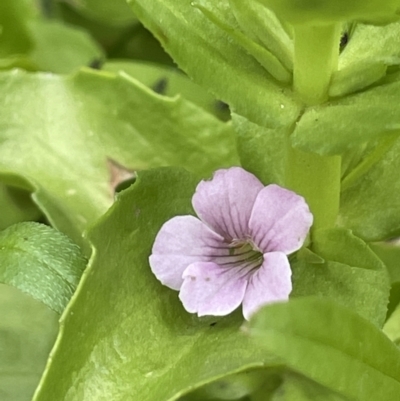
x=365, y=58
x=16, y=206
x=136, y=341
x=48, y=46
x=369, y=43
x=273, y=380
x=299, y=388
x=355, y=78
x=331, y=345
x=222, y=15
x=14, y=34
x=215, y=61
x=346, y=123
x=313, y=12
x=262, y=25
x=59, y=48
x=27, y=331
x=139, y=43
x=389, y=253
x=169, y=81
x=18, y=61
x=358, y=161
x=233, y=387
x=262, y=151
x=392, y=326
x=352, y=274
x=41, y=262
x=341, y=245
x=75, y=138
x=110, y=11
x=370, y=206
x=114, y=38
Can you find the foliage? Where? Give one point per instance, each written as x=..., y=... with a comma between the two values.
x=103, y=139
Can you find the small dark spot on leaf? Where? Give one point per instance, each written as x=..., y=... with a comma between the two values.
x=343, y=41
x=160, y=86
x=213, y=324
x=96, y=64
x=25, y=239
x=221, y=106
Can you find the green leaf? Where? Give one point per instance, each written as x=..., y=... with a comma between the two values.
x=327, y=129
x=355, y=78
x=232, y=387
x=16, y=206
x=215, y=61
x=118, y=39
x=331, y=345
x=352, y=274
x=313, y=12
x=221, y=15
x=18, y=61
x=27, y=331
x=14, y=34
x=389, y=253
x=110, y=11
x=392, y=326
x=168, y=81
x=370, y=205
x=262, y=151
x=357, y=162
x=41, y=262
x=75, y=138
x=60, y=48
x=33, y=43
x=273, y=380
x=262, y=25
x=136, y=341
x=299, y=388
x=369, y=43
x=370, y=50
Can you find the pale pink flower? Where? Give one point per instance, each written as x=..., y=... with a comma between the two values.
x=236, y=251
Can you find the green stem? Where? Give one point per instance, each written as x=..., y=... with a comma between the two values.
x=316, y=53
x=315, y=177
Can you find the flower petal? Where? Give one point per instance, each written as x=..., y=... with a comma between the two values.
x=226, y=201
x=208, y=289
x=280, y=220
x=270, y=283
x=180, y=242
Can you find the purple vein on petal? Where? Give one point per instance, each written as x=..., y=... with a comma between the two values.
x=209, y=289
x=225, y=202
x=270, y=283
x=280, y=220
x=181, y=241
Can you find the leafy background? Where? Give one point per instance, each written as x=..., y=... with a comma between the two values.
x=97, y=105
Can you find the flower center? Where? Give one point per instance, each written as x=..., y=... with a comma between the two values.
x=241, y=254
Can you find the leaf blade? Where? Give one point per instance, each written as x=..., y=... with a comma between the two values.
x=71, y=131
x=41, y=262
x=217, y=62
x=122, y=311
x=356, y=369
x=362, y=117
